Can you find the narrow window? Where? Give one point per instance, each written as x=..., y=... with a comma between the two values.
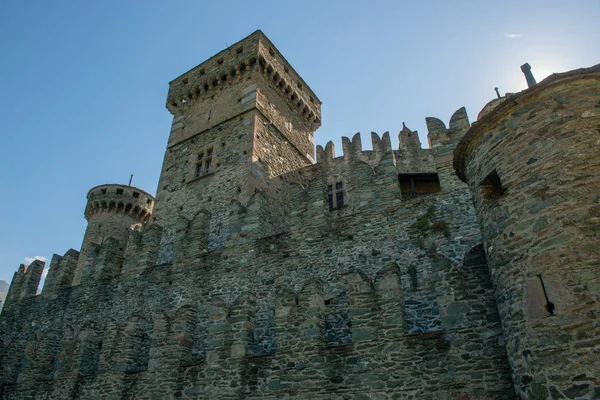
x=336, y=195
x=492, y=186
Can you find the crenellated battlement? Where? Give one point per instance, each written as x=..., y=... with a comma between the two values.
x=119, y=199
x=352, y=149
x=439, y=135
x=24, y=284
x=60, y=273
x=236, y=63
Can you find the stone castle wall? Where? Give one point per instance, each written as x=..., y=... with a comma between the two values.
x=262, y=274
x=386, y=296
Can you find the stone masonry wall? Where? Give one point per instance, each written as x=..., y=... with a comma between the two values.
x=388, y=298
x=532, y=164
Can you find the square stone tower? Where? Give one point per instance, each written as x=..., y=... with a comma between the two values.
x=240, y=118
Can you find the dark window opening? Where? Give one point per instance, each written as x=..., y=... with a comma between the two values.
x=492, y=186
x=136, y=194
x=119, y=191
x=239, y=50
x=103, y=191
x=414, y=185
x=220, y=60
x=335, y=196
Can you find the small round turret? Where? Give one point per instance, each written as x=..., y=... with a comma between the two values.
x=120, y=200
x=113, y=211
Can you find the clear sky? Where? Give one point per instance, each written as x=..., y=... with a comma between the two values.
x=84, y=83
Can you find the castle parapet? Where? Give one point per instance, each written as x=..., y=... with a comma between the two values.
x=440, y=136
x=143, y=247
x=60, y=274
x=24, y=283
x=352, y=149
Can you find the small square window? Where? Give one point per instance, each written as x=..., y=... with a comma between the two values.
x=119, y=191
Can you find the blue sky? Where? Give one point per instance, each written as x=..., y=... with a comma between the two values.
x=84, y=83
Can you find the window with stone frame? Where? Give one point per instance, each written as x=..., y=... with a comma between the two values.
x=204, y=162
x=337, y=195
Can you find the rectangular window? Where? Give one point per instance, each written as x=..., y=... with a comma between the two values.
x=414, y=185
x=203, y=162
x=335, y=196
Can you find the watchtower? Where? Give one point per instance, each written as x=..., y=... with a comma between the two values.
x=239, y=119
x=112, y=211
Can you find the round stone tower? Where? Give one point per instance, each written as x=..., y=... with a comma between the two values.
x=113, y=211
x=532, y=163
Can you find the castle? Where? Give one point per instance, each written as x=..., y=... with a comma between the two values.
x=466, y=271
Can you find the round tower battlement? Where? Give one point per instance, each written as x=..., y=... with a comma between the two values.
x=119, y=199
